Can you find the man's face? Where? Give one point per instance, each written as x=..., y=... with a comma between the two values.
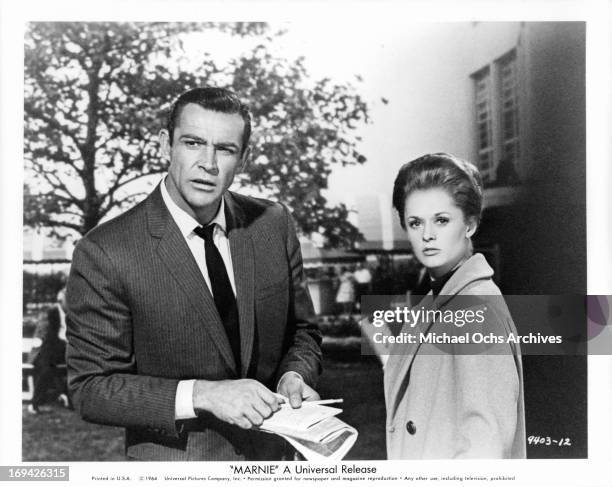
x=205, y=155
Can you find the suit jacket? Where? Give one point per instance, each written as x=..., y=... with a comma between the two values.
x=52, y=348
x=141, y=318
x=457, y=401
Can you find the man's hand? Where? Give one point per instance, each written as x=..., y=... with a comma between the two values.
x=293, y=386
x=244, y=402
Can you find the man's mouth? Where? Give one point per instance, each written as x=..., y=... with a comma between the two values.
x=203, y=182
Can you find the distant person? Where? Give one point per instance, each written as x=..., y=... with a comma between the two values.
x=363, y=282
x=345, y=297
x=48, y=351
x=440, y=403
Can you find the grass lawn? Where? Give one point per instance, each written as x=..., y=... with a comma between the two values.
x=60, y=435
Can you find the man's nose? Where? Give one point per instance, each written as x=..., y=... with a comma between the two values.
x=208, y=160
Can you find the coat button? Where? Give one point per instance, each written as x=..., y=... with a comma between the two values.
x=391, y=429
x=410, y=427
x=237, y=451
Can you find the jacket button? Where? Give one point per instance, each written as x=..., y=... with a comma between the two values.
x=410, y=427
x=391, y=429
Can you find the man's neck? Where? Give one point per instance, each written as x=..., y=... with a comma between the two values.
x=205, y=216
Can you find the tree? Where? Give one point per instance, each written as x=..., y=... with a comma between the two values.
x=96, y=95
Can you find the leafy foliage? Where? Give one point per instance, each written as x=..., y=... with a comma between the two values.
x=96, y=95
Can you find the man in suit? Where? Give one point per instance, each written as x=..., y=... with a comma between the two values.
x=186, y=312
x=48, y=351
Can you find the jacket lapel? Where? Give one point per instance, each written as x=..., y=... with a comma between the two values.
x=179, y=262
x=243, y=261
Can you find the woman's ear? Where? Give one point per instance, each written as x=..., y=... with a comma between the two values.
x=471, y=227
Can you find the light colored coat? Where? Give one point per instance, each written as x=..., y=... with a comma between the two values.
x=451, y=405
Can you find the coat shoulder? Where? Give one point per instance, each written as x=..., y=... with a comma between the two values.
x=253, y=208
x=482, y=287
x=120, y=229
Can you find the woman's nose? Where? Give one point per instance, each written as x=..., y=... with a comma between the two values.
x=428, y=232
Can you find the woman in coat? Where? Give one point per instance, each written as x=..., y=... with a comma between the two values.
x=452, y=400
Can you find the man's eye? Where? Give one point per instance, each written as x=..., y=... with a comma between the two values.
x=226, y=150
x=192, y=143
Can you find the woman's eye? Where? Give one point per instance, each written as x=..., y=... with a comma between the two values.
x=413, y=224
x=441, y=221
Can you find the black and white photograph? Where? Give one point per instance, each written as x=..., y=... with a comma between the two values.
x=206, y=206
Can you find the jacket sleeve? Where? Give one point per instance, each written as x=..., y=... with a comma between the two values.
x=304, y=338
x=102, y=373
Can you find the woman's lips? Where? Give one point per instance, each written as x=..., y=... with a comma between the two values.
x=431, y=251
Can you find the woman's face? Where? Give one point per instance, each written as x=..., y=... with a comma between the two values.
x=437, y=230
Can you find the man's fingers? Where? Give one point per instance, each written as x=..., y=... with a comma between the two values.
x=253, y=417
x=295, y=398
x=263, y=409
x=269, y=397
x=309, y=394
x=243, y=423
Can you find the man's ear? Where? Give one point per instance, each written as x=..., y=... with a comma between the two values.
x=244, y=159
x=164, y=143
x=472, y=225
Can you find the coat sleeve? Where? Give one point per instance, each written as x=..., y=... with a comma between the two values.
x=487, y=399
x=102, y=373
x=303, y=336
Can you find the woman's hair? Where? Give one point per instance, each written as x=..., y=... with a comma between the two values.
x=459, y=178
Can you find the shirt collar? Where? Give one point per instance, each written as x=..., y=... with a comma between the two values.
x=184, y=220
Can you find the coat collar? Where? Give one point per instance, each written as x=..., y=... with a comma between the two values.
x=473, y=269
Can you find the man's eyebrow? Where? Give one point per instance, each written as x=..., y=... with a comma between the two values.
x=227, y=144
x=192, y=137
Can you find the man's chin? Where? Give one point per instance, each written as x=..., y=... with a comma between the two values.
x=205, y=204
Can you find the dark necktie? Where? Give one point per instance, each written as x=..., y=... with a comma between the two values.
x=221, y=290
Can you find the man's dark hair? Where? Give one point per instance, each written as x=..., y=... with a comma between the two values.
x=215, y=99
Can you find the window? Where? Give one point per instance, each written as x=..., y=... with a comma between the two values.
x=484, y=123
x=497, y=121
x=508, y=96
